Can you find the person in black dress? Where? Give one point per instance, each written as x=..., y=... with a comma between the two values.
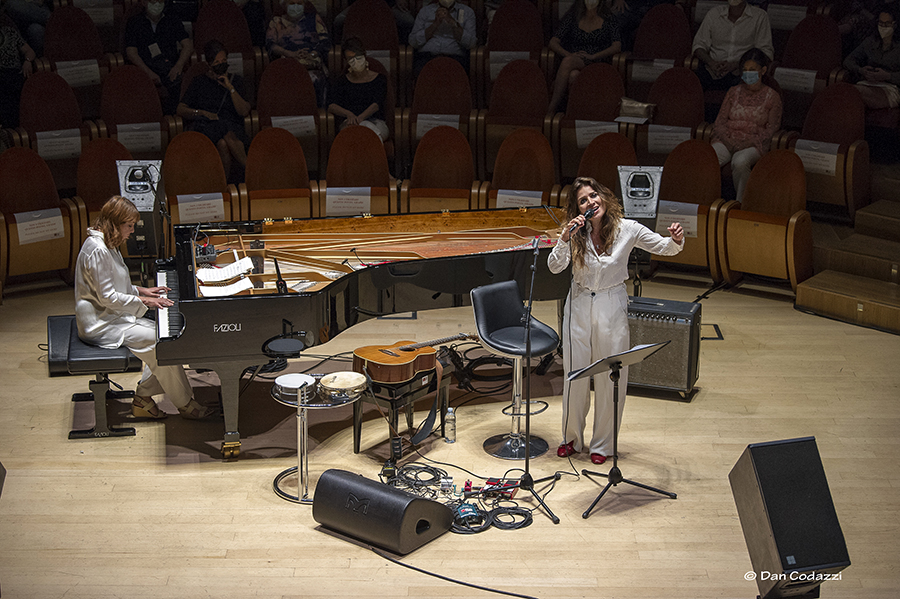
x=358, y=97
x=214, y=105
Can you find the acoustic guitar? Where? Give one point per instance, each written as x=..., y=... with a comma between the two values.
x=400, y=362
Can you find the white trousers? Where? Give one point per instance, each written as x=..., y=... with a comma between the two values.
x=140, y=338
x=742, y=163
x=377, y=125
x=595, y=326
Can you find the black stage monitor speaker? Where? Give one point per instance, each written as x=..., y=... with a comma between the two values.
x=675, y=367
x=377, y=513
x=790, y=526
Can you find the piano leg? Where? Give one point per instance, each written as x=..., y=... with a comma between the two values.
x=230, y=380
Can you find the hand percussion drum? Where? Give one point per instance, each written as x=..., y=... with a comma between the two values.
x=343, y=387
x=294, y=389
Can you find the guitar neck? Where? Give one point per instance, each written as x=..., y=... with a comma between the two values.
x=434, y=342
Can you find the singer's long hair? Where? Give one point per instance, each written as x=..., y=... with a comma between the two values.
x=115, y=212
x=609, y=224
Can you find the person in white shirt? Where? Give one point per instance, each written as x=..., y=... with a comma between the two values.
x=443, y=28
x=724, y=35
x=108, y=310
x=597, y=240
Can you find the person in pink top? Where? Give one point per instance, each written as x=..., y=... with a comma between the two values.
x=749, y=117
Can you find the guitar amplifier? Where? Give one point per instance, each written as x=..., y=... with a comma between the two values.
x=676, y=366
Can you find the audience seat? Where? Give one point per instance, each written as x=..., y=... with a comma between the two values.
x=602, y=158
x=443, y=174
x=277, y=183
x=357, y=160
x=679, y=115
x=224, y=21
x=98, y=179
x=286, y=94
x=524, y=163
x=38, y=230
x=770, y=233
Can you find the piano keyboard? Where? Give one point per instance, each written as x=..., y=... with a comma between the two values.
x=169, y=321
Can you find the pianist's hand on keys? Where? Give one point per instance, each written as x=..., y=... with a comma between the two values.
x=154, y=297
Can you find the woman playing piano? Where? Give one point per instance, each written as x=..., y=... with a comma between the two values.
x=597, y=239
x=108, y=310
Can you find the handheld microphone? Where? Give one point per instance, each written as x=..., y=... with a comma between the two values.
x=587, y=216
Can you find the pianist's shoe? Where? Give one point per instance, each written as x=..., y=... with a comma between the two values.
x=196, y=411
x=145, y=407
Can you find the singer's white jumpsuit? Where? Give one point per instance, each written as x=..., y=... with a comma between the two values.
x=595, y=326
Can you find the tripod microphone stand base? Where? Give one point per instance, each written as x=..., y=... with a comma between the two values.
x=526, y=482
x=615, y=477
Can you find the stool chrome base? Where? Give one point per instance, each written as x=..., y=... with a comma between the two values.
x=276, y=486
x=512, y=447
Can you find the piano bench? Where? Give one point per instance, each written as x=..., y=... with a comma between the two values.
x=403, y=395
x=70, y=355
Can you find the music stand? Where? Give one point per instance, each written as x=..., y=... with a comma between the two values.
x=614, y=364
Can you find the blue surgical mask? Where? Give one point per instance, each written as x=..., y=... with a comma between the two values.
x=750, y=77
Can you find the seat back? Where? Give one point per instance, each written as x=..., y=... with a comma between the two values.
x=837, y=115
x=678, y=96
x=222, y=20
x=275, y=160
x=374, y=24
x=596, y=93
x=602, y=158
x=516, y=27
x=777, y=185
x=129, y=96
x=25, y=182
x=442, y=88
x=192, y=165
x=691, y=174
x=357, y=159
x=48, y=104
x=497, y=306
x=71, y=35
x=98, y=176
x=664, y=32
x=814, y=44
x=524, y=162
x=519, y=95
x=443, y=161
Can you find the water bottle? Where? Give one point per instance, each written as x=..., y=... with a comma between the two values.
x=450, y=426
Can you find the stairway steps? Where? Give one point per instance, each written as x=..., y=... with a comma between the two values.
x=861, y=255
x=852, y=298
x=881, y=219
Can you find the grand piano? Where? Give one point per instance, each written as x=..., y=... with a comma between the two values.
x=332, y=274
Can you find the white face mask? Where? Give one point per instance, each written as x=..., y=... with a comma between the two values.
x=446, y=3
x=357, y=64
x=591, y=4
x=295, y=11
x=735, y=2
x=154, y=9
x=885, y=31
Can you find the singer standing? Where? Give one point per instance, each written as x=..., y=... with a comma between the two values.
x=597, y=239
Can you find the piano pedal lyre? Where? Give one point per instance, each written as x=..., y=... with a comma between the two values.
x=231, y=450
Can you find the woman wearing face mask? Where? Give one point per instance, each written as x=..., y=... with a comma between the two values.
x=214, y=105
x=301, y=34
x=587, y=33
x=597, y=240
x=358, y=97
x=748, y=118
x=877, y=64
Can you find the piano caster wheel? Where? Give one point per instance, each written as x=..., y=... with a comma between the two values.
x=231, y=449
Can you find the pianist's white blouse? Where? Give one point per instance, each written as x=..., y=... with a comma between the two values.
x=106, y=302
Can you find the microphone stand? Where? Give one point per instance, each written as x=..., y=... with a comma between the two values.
x=527, y=482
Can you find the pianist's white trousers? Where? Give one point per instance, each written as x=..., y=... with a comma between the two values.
x=595, y=326
x=140, y=338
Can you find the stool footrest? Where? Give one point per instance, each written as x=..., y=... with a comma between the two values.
x=508, y=410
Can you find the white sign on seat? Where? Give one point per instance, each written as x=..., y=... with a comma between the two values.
x=669, y=213
x=796, y=80
x=348, y=201
x=785, y=16
x=60, y=144
x=498, y=60
x=140, y=137
x=587, y=131
x=39, y=225
x=818, y=157
x=662, y=139
x=514, y=198
x=649, y=71
x=427, y=122
x=79, y=73
x=201, y=208
x=298, y=126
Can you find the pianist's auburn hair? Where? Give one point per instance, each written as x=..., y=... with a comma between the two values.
x=115, y=212
x=609, y=223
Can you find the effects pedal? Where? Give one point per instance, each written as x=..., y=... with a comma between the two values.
x=497, y=487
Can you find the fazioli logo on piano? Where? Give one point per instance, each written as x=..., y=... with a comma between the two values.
x=230, y=327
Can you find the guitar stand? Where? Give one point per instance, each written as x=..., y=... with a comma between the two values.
x=615, y=475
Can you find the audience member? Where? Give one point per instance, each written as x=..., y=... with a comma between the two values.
x=724, y=35
x=749, y=117
x=16, y=58
x=158, y=44
x=358, y=97
x=876, y=62
x=213, y=105
x=587, y=33
x=301, y=34
x=31, y=17
x=443, y=28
